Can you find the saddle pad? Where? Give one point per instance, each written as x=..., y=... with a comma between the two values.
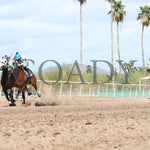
x=27, y=74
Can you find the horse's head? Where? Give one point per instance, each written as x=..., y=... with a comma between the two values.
x=3, y=63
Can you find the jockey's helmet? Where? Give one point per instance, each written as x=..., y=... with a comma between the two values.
x=17, y=56
x=6, y=57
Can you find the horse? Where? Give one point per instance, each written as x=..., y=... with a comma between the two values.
x=10, y=68
x=16, y=78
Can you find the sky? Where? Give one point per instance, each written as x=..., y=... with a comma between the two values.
x=48, y=29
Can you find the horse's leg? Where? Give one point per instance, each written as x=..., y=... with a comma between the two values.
x=19, y=91
x=6, y=94
x=11, y=103
x=28, y=91
x=23, y=96
x=33, y=83
x=11, y=93
x=38, y=94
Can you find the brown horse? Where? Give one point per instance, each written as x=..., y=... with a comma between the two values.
x=16, y=78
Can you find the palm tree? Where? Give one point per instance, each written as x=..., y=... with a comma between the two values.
x=112, y=57
x=144, y=16
x=118, y=16
x=81, y=41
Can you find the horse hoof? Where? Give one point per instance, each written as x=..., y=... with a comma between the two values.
x=39, y=95
x=29, y=94
x=12, y=104
x=23, y=104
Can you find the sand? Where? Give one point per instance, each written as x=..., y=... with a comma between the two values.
x=78, y=123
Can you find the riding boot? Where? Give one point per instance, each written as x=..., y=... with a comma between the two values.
x=27, y=70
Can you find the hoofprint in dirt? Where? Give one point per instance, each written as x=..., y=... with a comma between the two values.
x=79, y=123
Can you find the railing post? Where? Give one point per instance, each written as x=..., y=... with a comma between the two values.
x=60, y=93
x=136, y=91
x=149, y=90
x=130, y=91
x=143, y=91
x=107, y=90
x=70, y=89
x=40, y=87
x=80, y=90
x=122, y=90
x=98, y=90
x=90, y=90
x=114, y=91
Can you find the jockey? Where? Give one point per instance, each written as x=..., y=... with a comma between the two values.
x=21, y=61
x=7, y=58
x=10, y=67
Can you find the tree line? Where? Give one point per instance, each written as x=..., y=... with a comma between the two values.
x=117, y=13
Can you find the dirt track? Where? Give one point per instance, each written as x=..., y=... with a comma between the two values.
x=76, y=124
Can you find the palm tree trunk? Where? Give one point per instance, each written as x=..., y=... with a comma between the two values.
x=112, y=57
x=143, y=50
x=81, y=42
x=118, y=46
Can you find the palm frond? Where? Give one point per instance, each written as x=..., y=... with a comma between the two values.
x=82, y=1
x=144, y=15
x=110, y=1
x=118, y=11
